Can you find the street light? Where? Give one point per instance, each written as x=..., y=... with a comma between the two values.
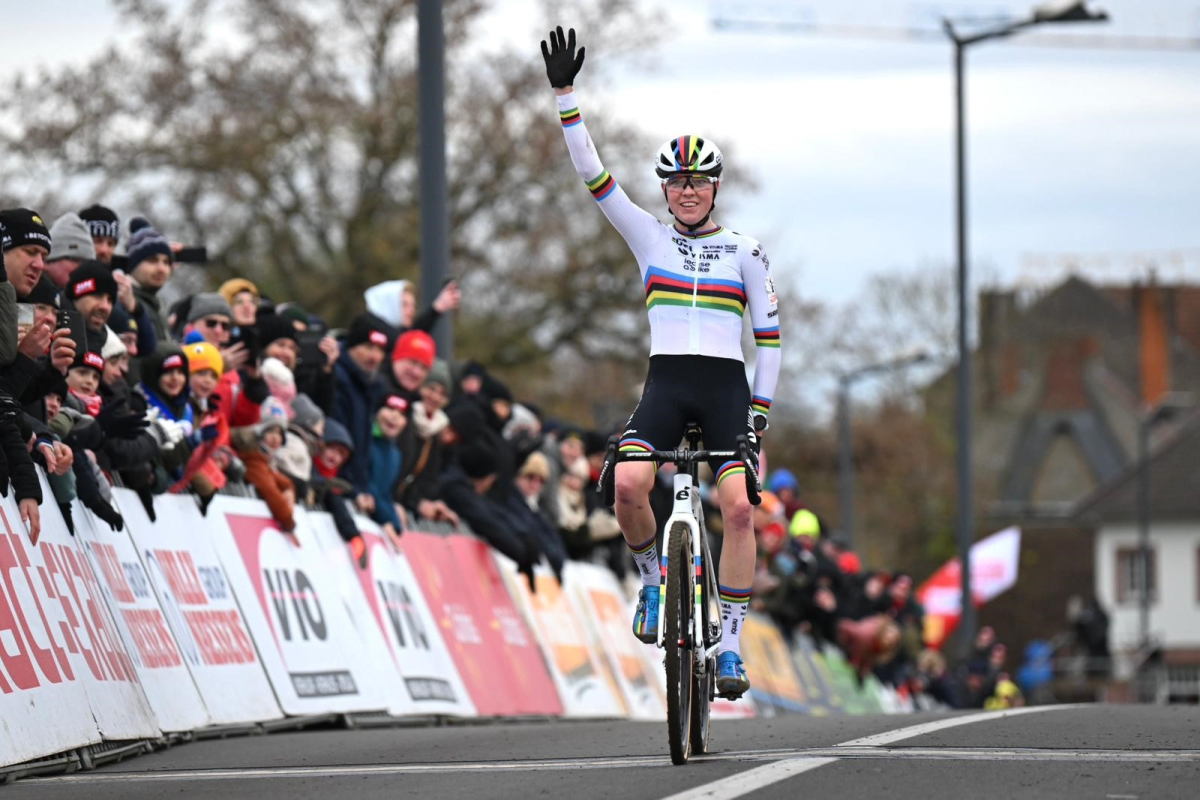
x=1050, y=12
x=845, y=471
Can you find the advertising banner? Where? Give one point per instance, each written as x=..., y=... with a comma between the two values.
x=772, y=674
x=293, y=607
x=494, y=606
x=810, y=666
x=603, y=608
x=585, y=684
x=385, y=603
x=160, y=667
x=201, y=612
x=43, y=704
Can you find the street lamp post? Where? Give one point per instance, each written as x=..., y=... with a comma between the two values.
x=1070, y=11
x=845, y=470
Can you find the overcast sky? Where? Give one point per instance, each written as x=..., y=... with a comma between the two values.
x=1071, y=150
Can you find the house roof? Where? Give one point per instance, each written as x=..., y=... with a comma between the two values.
x=1174, y=482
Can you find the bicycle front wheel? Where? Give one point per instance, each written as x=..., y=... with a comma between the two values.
x=677, y=640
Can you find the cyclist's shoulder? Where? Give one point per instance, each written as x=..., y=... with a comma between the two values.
x=748, y=247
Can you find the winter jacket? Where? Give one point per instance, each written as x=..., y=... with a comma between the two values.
x=355, y=397
x=386, y=460
x=490, y=520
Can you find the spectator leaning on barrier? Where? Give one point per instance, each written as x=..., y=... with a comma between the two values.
x=105, y=229
x=71, y=245
x=417, y=489
x=412, y=358
x=256, y=447
x=391, y=418
x=165, y=387
x=334, y=494
x=357, y=391
x=91, y=290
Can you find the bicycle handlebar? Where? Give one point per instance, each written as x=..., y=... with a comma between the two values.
x=613, y=456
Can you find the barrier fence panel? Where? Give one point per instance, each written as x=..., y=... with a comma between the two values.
x=389, y=598
x=194, y=595
x=810, y=668
x=473, y=633
x=43, y=704
x=598, y=595
x=769, y=666
x=160, y=667
x=294, y=610
x=585, y=684
x=110, y=681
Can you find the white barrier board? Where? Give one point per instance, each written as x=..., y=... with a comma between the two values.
x=387, y=594
x=603, y=608
x=294, y=610
x=160, y=667
x=194, y=595
x=43, y=704
x=585, y=684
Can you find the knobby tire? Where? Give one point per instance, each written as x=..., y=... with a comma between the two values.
x=678, y=620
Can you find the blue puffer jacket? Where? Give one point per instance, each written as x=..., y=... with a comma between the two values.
x=354, y=400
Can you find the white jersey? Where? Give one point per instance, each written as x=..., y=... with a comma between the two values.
x=699, y=285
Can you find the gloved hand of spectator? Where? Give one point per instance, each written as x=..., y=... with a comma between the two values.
x=106, y=512
x=209, y=431
x=118, y=422
x=146, y=495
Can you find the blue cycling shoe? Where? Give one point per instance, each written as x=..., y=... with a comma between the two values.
x=645, y=619
x=732, y=682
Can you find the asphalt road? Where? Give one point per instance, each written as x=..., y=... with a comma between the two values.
x=1105, y=752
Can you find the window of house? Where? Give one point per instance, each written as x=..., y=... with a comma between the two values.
x=1129, y=575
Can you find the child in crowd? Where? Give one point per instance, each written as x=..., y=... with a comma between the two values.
x=165, y=387
x=83, y=381
x=256, y=447
x=391, y=418
x=282, y=387
x=212, y=461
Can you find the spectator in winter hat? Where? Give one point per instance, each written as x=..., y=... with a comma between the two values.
x=356, y=392
x=242, y=296
x=295, y=314
x=205, y=367
x=71, y=245
x=83, y=380
x=211, y=317
x=116, y=359
x=412, y=358
x=92, y=291
x=282, y=386
x=127, y=331
x=105, y=230
x=26, y=243
x=391, y=418
x=44, y=299
x=149, y=262
x=277, y=338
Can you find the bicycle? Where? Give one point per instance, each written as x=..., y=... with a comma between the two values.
x=688, y=613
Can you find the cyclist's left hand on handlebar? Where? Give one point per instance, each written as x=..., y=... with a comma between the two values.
x=562, y=64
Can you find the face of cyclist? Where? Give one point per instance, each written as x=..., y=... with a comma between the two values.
x=689, y=197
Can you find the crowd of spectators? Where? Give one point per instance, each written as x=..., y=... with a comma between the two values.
x=811, y=581
x=103, y=384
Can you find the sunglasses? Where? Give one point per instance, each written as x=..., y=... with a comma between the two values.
x=217, y=323
x=698, y=182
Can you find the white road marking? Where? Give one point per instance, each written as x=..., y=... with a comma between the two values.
x=879, y=739
x=745, y=782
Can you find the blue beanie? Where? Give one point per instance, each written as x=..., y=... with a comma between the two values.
x=145, y=241
x=782, y=479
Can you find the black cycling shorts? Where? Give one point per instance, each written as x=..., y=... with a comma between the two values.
x=712, y=392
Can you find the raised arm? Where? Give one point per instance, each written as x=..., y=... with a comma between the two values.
x=764, y=316
x=639, y=228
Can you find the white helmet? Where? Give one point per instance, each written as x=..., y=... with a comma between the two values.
x=688, y=154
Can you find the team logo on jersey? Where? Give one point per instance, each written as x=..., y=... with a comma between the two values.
x=731, y=248
x=772, y=298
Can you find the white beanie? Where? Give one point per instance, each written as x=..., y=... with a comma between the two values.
x=113, y=346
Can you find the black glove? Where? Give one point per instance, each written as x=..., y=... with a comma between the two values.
x=108, y=514
x=562, y=65
x=3, y=475
x=118, y=423
x=65, y=508
x=147, y=497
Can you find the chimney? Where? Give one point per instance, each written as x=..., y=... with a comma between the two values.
x=1154, y=355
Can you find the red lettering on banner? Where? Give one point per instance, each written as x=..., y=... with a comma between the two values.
x=110, y=565
x=107, y=641
x=220, y=637
x=181, y=575
x=18, y=664
x=151, y=638
x=12, y=558
x=56, y=558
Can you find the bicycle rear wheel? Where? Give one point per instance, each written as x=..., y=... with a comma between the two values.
x=677, y=641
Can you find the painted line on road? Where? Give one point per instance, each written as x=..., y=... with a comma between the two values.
x=782, y=764
x=751, y=780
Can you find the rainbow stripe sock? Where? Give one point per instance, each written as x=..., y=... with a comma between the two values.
x=645, y=555
x=734, y=604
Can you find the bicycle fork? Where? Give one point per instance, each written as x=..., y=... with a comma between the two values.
x=687, y=512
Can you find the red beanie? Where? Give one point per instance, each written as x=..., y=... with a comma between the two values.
x=849, y=563
x=417, y=345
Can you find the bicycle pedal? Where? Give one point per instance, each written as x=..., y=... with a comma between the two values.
x=731, y=696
